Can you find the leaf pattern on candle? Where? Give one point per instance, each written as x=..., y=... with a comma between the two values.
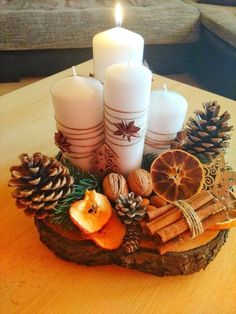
x=61, y=142
x=126, y=130
x=105, y=161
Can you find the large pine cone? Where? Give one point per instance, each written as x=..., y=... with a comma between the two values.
x=207, y=134
x=40, y=182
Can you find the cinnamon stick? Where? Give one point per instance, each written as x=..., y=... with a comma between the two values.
x=162, y=221
x=206, y=224
x=200, y=199
x=171, y=231
x=154, y=212
x=172, y=215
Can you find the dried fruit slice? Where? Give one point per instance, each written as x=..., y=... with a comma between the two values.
x=91, y=213
x=230, y=223
x=111, y=235
x=177, y=175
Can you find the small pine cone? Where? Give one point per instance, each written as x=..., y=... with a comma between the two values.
x=130, y=208
x=40, y=182
x=132, y=238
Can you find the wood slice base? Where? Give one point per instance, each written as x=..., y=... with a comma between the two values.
x=147, y=260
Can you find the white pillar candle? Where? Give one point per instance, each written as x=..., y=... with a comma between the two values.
x=166, y=117
x=78, y=106
x=126, y=95
x=116, y=45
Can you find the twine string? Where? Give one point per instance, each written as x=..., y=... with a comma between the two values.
x=156, y=144
x=192, y=218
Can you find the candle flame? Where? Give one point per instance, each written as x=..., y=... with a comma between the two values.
x=118, y=14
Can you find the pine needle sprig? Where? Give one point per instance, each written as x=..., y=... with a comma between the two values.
x=77, y=173
x=148, y=160
x=204, y=159
x=60, y=215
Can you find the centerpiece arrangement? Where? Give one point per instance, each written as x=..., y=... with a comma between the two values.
x=128, y=187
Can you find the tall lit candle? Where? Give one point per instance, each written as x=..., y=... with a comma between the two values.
x=78, y=106
x=126, y=96
x=116, y=45
x=166, y=117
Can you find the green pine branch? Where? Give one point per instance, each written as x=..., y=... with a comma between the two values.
x=83, y=181
x=148, y=160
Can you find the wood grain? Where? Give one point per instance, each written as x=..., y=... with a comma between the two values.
x=34, y=280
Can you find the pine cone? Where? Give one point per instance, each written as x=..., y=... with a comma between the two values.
x=132, y=238
x=40, y=182
x=207, y=135
x=130, y=208
x=179, y=141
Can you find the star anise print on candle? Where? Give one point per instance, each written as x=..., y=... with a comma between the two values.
x=127, y=130
x=80, y=145
x=124, y=128
x=61, y=142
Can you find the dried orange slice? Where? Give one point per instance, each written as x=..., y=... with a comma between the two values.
x=177, y=175
x=230, y=223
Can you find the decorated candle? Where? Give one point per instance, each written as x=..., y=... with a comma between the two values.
x=166, y=117
x=116, y=45
x=126, y=96
x=78, y=106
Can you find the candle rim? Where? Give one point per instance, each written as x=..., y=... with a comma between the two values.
x=165, y=92
x=72, y=76
x=126, y=66
x=132, y=35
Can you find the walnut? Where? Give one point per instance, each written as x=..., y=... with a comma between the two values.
x=114, y=185
x=140, y=182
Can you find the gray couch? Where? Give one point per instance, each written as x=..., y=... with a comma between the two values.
x=43, y=37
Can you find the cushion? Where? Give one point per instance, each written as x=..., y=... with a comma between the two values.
x=33, y=24
x=220, y=2
x=218, y=19
x=221, y=21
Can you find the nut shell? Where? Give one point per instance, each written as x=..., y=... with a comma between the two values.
x=114, y=185
x=140, y=182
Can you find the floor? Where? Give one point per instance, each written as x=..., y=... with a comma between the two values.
x=5, y=88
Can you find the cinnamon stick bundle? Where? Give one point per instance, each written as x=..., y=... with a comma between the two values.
x=171, y=231
x=206, y=224
x=171, y=213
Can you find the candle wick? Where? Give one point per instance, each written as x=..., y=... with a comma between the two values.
x=118, y=14
x=74, y=71
x=165, y=88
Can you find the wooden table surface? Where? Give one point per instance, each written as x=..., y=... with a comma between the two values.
x=33, y=280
